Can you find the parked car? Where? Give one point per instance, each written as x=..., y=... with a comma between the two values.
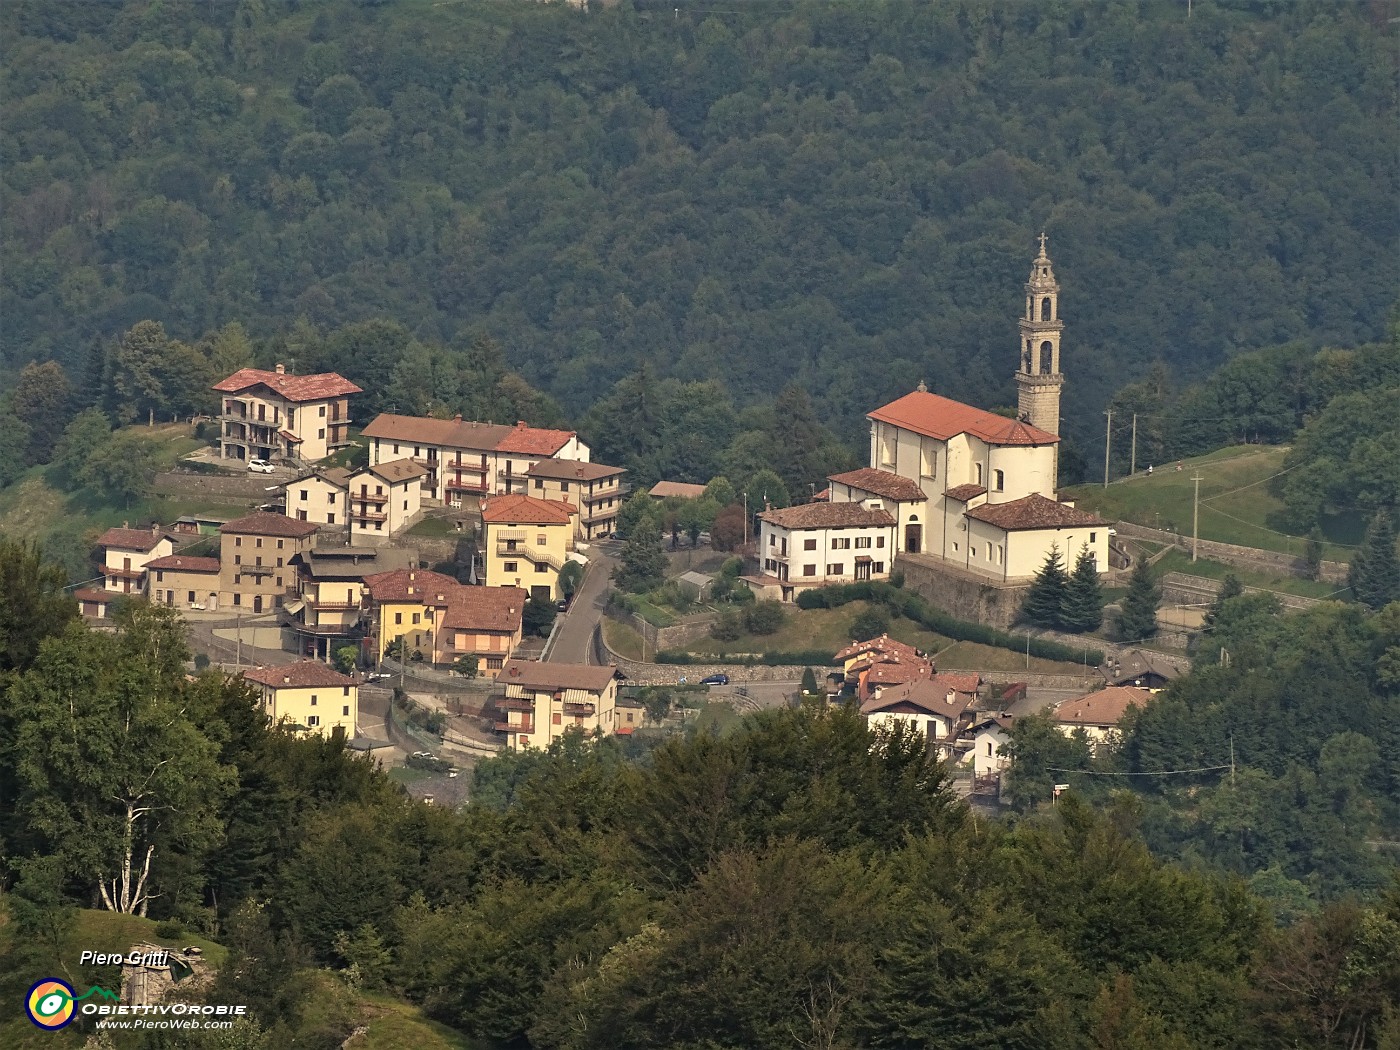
x=562, y=605
x=377, y=676
x=261, y=466
x=715, y=679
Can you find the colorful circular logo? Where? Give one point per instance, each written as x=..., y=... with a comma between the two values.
x=50, y=1003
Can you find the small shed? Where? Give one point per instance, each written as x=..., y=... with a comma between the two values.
x=696, y=585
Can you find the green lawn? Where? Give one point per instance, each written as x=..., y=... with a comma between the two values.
x=622, y=639
x=1236, y=505
x=439, y=528
x=1180, y=561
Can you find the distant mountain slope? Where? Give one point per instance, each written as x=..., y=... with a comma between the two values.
x=842, y=194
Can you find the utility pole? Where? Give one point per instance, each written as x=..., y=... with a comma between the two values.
x=1196, y=515
x=746, y=519
x=238, y=652
x=1132, y=465
x=1107, y=444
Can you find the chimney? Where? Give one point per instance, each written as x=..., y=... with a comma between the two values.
x=281, y=369
x=286, y=679
x=155, y=528
x=457, y=418
x=521, y=423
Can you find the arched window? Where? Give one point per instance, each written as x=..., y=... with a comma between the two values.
x=1045, y=309
x=1026, y=364
x=1047, y=358
x=999, y=480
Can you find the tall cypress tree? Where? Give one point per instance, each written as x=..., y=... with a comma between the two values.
x=1374, y=573
x=1138, y=619
x=1082, y=607
x=1046, y=597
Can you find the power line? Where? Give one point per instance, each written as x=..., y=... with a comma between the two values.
x=1150, y=773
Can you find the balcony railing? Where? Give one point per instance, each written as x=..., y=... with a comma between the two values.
x=515, y=727
x=458, y=485
x=471, y=466
x=320, y=606
x=515, y=703
x=571, y=708
x=364, y=514
x=124, y=574
x=253, y=570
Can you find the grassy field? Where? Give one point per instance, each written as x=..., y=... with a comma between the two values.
x=1236, y=505
x=829, y=630
x=1180, y=561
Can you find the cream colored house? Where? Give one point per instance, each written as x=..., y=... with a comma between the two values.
x=125, y=554
x=384, y=499
x=1099, y=713
x=485, y=622
x=821, y=543
x=256, y=574
x=596, y=489
x=319, y=497
x=930, y=708
x=525, y=542
x=183, y=582
x=543, y=701
x=274, y=415
x=990, y=735
x=990, y=482
x=465, y=459
x=308, y=695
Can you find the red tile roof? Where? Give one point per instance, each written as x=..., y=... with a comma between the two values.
x=963, y=493
x=415, y=585
x=827, y=516
x=484, y=609
x=883, y=644
x=532, y=441
x=96, y=594
x=266, y=523
x=1033, y=512
x=929, y=695
x=299, y=675
x=320, y=387
x=569, y=470
x=961, y=683
x=895, y=671
x=881, y=483
x=1104, y=708
x=533, y=675
x=130, y=539
x=515, y=509
x=183, y=563
x=476, y=437
x=682, y=489
x=942, y=418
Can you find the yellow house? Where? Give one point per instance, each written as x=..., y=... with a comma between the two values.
x=1099, y=713
x=406, y=603
x=384, y=499
x=273, y=414
x=525, y=542
x=308, y=695
x=183, y=582
x=326, y=614
x=543, y=701
x=597, y=490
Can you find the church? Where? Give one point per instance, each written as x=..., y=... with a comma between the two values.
x=974, y=489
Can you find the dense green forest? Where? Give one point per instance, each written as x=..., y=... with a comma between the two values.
x=838, y=194
x=798, y=881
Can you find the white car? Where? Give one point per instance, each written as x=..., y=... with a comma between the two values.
x=262, y=466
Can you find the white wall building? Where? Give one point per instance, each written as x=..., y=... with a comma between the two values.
x=820, y=543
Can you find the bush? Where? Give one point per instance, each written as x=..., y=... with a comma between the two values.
x=727, y=627
x=764, y=617
x=869, y=624
x=170, y=928
x=201, y=661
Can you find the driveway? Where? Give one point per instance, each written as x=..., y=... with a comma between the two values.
x=574, y=642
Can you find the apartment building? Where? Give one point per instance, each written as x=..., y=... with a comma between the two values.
x=525, y=542
x=405, y=603
x=275, y=415
x=821, y=543
x=543, y=701
x=325, y=615
x=308, y=696
x=126, y=553
x=467, y=460
x=595, y=489
x=256, y=574
x=183, y=582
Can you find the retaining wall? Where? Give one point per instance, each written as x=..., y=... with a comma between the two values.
x=225, y=488
x=672, y=637
x=962, y=594
x=1178, y=588
x=1233, y=554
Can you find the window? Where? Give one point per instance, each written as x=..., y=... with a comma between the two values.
x=279, y=581
x=541, y=567
x=237, y=597
x=879, y=566
x=237, y=581
x=313, y=721
x=558, y=719
x=330, y=518
x=279, y=563
x=862, y=543
x=539, y=483
x=191, y=598
x=979, y=473
x=257, y=542
x=999, y=480
x=379, y=490
x=955, y=546
x=238, y=559
x=629, y=716
x=405, y=504
x=773, y=540
x=809, y=570
x=880, y=542
x=396, y=450
x=258, y=561
x=330, y=499
x=541, y=539
x=809, y=545
x=398, y=618
x=928, y=464
x=301, y=515
x=1093, y=537
x=836, y=569
x=313, y=699
x=415, y=617
x=238, y=541
x=378, y=526
x=279, y=545
x=160, y=576
x=345, y=711
x=511, y=566
x=323, y=412
x=887, y=449
x=303, y=495
x=495, y=663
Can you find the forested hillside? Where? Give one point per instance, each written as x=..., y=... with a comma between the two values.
x=844, y=194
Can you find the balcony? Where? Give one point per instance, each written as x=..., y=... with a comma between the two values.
x=321, y=606
x=515, y=727
x=124, y=574
x=365, y=514
x=470, y=466
x=586, y=710
x=534, y=555
x=253, y=570
x=516, y=703
x=234, y=409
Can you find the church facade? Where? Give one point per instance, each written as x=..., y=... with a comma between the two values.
x=973, y=488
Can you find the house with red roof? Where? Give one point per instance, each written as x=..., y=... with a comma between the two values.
x=1097, y=714
x=256, y=571
x=975, y=488
x=125, y=554
x=183, y=581
x=525, y=542
x=308, y=696
x=467, y=460
x=277, y=415
x=936, y=708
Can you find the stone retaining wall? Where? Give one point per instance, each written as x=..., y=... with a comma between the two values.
x=672, y=637
x=1232, y=554
x=1178, y=588
x=962, y=594
x=235, y=488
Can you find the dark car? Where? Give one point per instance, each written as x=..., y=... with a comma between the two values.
x=562, y=605
x=715, y=679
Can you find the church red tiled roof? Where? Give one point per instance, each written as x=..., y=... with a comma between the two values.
x=881, y=483
x=943, y=418
x=1033, y=512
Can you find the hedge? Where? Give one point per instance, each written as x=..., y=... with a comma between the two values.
x=800, y=658
x=912, y=606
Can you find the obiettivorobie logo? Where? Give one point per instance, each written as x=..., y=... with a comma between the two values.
x=52, y=1004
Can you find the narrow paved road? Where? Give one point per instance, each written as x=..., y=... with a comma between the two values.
x=574, y=643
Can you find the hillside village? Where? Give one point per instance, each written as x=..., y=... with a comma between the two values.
x=960, y=504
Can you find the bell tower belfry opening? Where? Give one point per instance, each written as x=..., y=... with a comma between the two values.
x=1038, y=377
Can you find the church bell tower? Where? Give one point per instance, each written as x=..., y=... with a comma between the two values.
x=1038, y=379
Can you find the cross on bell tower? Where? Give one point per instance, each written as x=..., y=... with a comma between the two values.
x=1038, y=378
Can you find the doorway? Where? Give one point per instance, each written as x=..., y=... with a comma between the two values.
x=913, y=538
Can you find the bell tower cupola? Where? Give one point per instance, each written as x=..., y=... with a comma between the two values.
x=1038, y=378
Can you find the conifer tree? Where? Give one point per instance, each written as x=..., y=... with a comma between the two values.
x=1046, y=598
x=1082, y=607
x=1374, y=573
x=1138, y=619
